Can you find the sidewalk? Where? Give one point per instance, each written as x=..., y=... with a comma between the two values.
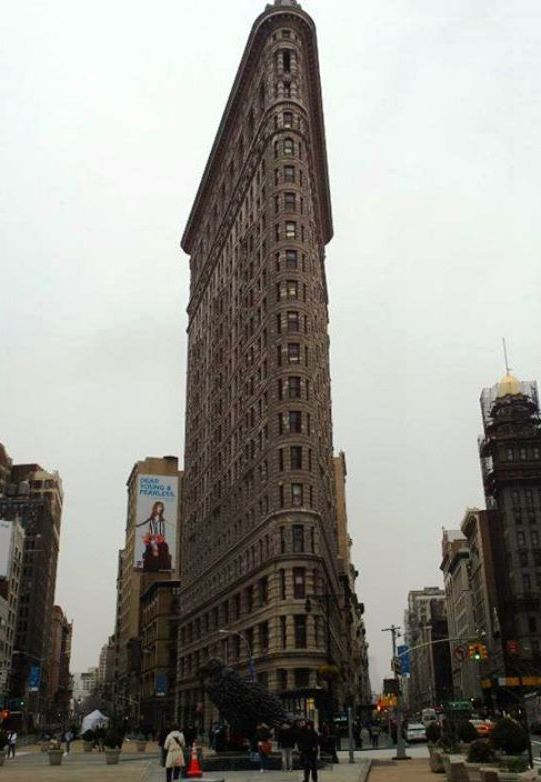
x=415, y=770
x=341, y=772
x=42, y=772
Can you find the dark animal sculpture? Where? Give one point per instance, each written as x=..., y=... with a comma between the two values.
x=241, y=702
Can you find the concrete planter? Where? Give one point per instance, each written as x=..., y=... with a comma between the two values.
x=87, y=746
x=458, y=770
x=2, y=757
x=474, y=771
x=436, y=764
x=489, y=774
x=55, y=757
x=509, y=776
x=141, y=746
x=111, y=756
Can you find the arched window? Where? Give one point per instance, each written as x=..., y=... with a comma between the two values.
x=289, y=146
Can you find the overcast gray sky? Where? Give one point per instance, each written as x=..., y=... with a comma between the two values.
x=108, y=111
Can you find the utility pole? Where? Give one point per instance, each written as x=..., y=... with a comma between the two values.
x=400, y=744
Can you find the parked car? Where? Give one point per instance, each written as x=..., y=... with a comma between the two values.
x=483, y=727
x=415, y=731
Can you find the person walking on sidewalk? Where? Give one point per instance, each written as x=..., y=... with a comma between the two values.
x=308, y=742
x=286, y=741
x=264, y=746
x=374, y=731
x=12, y=743
x=174, y=745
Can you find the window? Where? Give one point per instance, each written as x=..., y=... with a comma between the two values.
x=291, y=230
x=295, y=421
x=300, y=631
x=282, y=679
x=263, y=590
x=535, y=537
x=532, y=624
x=295, y=456
x=289, y=148
x=249, y=599
x=294, y=387
x=521, y=540
x=288, y=119
x=289, y=173
x=526, y=582
x=282, y=583
x=523, y=558
x=292, y=288
x=286, y=59
x=298, y=538
x=509, y=454
x=293, y=322
x=283, y=631
x=293, y=352
x=290, y=202
x=296, y=495
x=302, y=677
x=264, y=637
x=299, y=583
x=281, y=459
x=291, y=259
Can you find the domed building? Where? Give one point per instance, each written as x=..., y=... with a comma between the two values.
x=510, y=452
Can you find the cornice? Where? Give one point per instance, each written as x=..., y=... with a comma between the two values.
x=253, y=47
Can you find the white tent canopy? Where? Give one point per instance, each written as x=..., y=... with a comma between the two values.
x=92, y=720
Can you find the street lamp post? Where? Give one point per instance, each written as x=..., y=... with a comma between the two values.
x=325, y=600
x=243, y=638
x=400, y=744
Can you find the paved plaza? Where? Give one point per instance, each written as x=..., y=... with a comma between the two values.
x=31, y=765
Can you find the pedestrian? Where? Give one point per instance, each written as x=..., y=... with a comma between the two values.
x=68, y=738
x=12, y=742
x=174, y=746
x=308, y=742
x=374, y=731
x=286, y=741
x=264, y=746
x=162, y=735
x=190, y=734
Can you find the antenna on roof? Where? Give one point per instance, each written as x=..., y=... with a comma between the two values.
x=507, y=367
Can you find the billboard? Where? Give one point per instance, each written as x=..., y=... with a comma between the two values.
x=156, y=522
x=34, y=678
x=6, y=533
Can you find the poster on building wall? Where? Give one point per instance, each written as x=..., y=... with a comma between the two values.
x=6, y=532
x=156, y=522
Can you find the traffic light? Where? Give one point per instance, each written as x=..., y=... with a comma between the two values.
x=477, y=652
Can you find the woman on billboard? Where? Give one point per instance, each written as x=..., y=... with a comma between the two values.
x=156, y=555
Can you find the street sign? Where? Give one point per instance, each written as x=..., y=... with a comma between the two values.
x=460, y=652
x=404, y=657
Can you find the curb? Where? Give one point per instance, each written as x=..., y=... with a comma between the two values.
x=365, y=771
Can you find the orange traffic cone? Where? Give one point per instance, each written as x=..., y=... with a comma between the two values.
x=194, y=769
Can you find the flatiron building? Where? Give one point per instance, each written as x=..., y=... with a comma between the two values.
x=259, y=530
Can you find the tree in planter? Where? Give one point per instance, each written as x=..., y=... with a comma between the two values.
x=433, y=732
x=509, y=736
x=88, y=736
x=465, y=732
x=480, y=751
